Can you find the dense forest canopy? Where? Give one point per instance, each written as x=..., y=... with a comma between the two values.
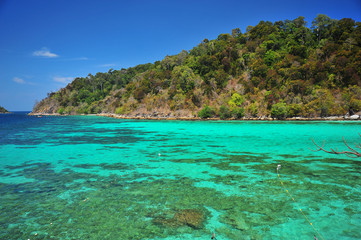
x=281, y=69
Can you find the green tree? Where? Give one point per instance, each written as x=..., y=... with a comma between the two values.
x=235, y=105
x=279, y=110
x=236, y=100
x=271, y=57
x=270, y=63
x=184, y=78
x=321, y=24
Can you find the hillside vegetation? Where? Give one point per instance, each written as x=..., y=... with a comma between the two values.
x=281, y=69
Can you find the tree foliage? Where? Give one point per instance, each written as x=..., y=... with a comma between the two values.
x=273, y=69
x=206, y=112
x=279, y=110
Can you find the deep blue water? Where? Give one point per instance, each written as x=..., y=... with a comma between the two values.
x=89, y=177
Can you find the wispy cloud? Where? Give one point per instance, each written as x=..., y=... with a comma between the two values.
x=63, y=79
x=80, y=59
x=22, y=81
x=75, y=59
x=19, y=80
x=107, y=65
x=45, y=52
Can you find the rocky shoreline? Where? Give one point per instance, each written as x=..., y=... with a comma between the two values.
x=149, y=117
x=156, y=116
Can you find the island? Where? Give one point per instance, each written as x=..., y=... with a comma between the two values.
x=3, y=110
x=274, y=70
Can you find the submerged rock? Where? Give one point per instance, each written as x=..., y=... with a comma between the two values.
x=236, y=220
x=190, y=217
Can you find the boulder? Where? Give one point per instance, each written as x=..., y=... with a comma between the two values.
x=354, y=117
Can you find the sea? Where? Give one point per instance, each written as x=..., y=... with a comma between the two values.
x=93, y=177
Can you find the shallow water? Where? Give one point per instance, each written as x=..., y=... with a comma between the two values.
x=86, y=177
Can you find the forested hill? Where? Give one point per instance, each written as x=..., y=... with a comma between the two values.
x=280, y=69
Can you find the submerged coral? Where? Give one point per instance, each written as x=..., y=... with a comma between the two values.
x=70, y=204
x=190, y=217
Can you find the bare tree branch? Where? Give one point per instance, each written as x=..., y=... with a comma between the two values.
x=351, y=153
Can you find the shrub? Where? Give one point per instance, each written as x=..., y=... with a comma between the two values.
x=224, y=112
x=206, y=112
x=61, y=111
x=119, y=110
x=236, y=100
x=279, y=110
x=294, y=110
x=253, y=110
x=355, y=105
x=238, y=112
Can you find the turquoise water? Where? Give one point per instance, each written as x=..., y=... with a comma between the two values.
x=87, y=177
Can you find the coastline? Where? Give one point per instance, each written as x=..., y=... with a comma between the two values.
x=190, y=118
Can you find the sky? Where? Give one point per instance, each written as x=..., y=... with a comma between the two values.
x=45, y=44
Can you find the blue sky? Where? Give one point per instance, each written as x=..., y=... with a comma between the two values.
x=44, y=44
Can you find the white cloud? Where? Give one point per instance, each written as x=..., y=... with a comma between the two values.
x=44, y=52
x=63, y=79
x=18, y=80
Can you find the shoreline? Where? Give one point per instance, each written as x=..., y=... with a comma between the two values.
x=185, y=118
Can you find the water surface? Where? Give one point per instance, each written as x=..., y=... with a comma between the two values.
x=87, y=177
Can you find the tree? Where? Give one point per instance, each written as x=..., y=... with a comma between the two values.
x=300, y=22
x=343, y=29
x=235, y=105
x=236, y=32
x=92, y=82
x=184, y=78
x=100, y=80
x=236, y=100
x=270, y=63
x=271, y=57
x=321, y=24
